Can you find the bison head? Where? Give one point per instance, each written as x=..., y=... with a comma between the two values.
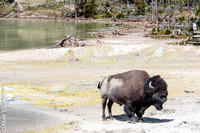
x=156, y=91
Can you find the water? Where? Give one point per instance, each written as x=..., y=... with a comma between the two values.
x=16, y=34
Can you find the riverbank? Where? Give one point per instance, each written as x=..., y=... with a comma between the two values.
x=63, y=81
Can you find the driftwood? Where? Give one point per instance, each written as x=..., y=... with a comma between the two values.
x=115, y=33
x=61, y=43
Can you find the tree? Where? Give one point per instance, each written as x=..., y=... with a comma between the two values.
x=140, y=7
x=75, y=9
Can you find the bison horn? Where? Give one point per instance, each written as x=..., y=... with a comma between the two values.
x=150, y=85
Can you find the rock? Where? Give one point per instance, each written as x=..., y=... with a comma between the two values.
x=159, y=52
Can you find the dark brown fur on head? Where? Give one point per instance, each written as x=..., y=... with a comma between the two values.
x=158, y=94
x=160, y=86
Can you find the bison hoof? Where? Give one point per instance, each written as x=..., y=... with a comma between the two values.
x=110, y=117
x=133, y=122
x=104, y=119
x=141, y=121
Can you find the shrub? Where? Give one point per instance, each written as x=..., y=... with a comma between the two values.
x=11, y=1
x=192, y=19
x=128, y=12
x=180, y=9
x=172, y=36
x=157, y=31
x=120, y=15
x=154, y=31
x=187, y=34
x=125, y=7
x=197, y=11
x=107, y=15
x=168, y=31
x=97, y=17
x=140, y=7
x=149, y=9
x=181, y=19
x=159, y=19
x=91, y=9
x=107, y=4
x=160, y=10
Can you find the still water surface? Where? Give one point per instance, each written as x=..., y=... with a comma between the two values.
x=16, y=34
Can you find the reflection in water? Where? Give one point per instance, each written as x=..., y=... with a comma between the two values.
x=18, y=34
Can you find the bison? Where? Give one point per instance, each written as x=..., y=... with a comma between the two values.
x=136, y=89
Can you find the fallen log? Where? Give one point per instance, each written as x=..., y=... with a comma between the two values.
x=115, y=33
x=61, y=43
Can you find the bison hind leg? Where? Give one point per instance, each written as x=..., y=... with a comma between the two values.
x=104, y=101
x=110, y=103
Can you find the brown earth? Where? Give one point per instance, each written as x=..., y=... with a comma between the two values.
x=61, y=85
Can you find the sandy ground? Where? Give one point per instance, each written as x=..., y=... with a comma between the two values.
x=54, y=90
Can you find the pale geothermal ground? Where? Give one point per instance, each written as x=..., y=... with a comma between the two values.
x=55, y=90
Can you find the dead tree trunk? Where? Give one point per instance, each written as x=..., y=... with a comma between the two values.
x=75, y=9
x=61, y=43
x=157, y=13
x=69, y=4
x=171, y=12
x=189, y=10
x=152, y=4
x=109, y=10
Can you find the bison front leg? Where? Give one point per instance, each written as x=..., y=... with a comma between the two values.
x=131, y=108
x=140, y=112
x=104, y=100
x=110, y=103
x=140, y=119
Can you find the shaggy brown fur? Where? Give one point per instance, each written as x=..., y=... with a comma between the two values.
x=135, y=89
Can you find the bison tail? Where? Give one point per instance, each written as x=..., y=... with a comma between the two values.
x=99, y=85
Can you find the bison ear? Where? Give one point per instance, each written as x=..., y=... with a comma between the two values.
x=157, y=76
x=150, y=85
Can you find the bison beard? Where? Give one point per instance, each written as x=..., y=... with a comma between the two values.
x=136, y=90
